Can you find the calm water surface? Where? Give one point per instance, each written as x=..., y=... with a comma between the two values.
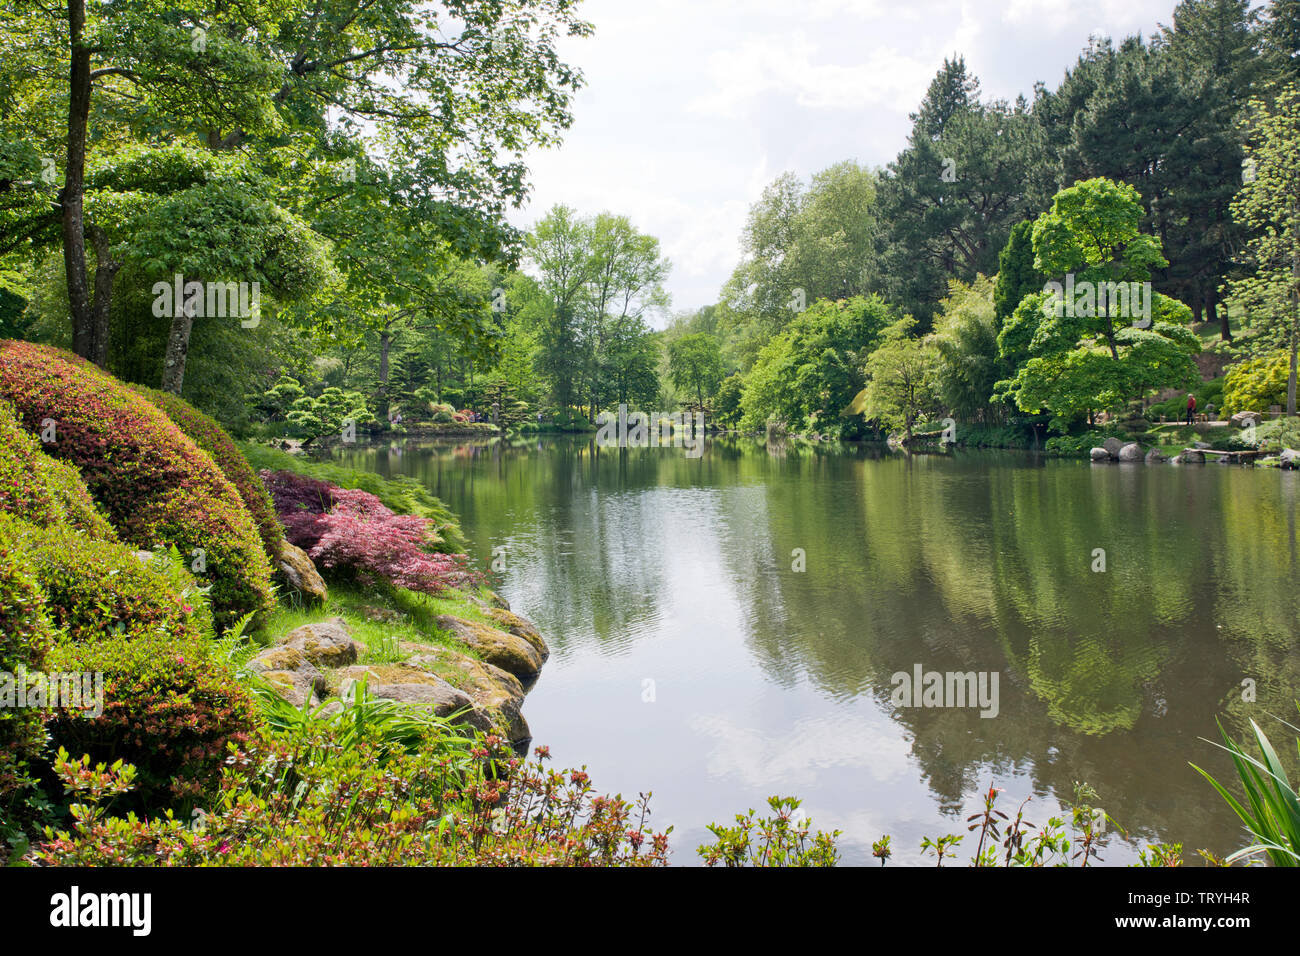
x=691, y=660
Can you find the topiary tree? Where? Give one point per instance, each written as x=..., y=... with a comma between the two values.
x=1256, y=384
x=154, y=484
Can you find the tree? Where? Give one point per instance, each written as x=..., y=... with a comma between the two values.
x=900, y=379
x=1017, y=277
x=965, y=340
x=695, y=363
x=951, y=197
x=1090, y=343
x=1269, y=207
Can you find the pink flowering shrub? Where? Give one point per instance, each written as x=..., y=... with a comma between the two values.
x=352, y=532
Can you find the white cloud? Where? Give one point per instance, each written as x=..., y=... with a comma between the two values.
x=693, y=106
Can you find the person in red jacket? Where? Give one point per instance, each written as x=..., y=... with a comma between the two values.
x=1191, y=407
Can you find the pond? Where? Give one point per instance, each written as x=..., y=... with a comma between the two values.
x=742, y=624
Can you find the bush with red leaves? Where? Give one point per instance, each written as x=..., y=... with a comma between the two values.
x=352, y=533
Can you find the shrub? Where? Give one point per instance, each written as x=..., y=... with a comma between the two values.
x=96, y=588
x=154, y=484
x=276, y=808
x=39, y=488
x=442, y=417
x=171, y=707
x=205, y=432
x=401, y=494
x=26, y=634
x=350, y=531
x=1255, y=385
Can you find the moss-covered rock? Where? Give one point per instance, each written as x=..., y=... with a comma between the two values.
x=512, y=623
x=512, y=654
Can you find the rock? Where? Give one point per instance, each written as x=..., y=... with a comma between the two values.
x=1200, y=444
x=514, y=624
x=507, y=651
x=1192, y=456
x=327, y=643
x=1112, y=446
x=1155, y=457
x=494, y=690
x=300, y=574
x=1131, y=452
x=1246, y=419
x=409, y=683
x=1099, y=454
x=496, y=600
x=1289, y=459
x=290, y=663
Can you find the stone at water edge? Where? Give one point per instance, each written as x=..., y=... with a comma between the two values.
x=519, y=627
x=417, y=688
x=493, y=689
x=1112, y=446
x=1131, y=452
x=1099, y=454
x=512, y=654
x=1155, y=457
x=1192, y=456
x=1290, y=458
x=326, y=643
x=299, y=573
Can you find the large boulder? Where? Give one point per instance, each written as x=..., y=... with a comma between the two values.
x=1131, y=452
x=1244, y=419
x=1155, y=456
x=415, y=686
x=514, y=624
x=326, y=643
x=1290, y=458
x=299, y=573
x=496, y=691
x=1192, y=456
x=1112, y=446
x=1099, y=454
x=511, y=653
x=292, y=675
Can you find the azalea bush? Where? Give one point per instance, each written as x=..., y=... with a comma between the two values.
x=153, y=483
x=352, y=533
x=171, y=708
x=318, y=803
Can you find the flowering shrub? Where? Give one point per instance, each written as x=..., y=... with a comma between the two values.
x=154, y=484
x=96, y=588
x=171, y=706
x=212, y=438
x=26, y=634
x=352, y=532
x=275, y=808
x=39, y=488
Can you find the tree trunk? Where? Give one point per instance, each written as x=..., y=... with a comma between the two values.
x=105, y=271
x=178, y=347
x=385, y=343
x=74, y=181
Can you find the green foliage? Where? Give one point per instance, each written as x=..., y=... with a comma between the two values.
x=1017, y=275
x=154, y=484
x=98, y=588
x=695, y=363
x=42, y=489
x=329, y=413
x=727, y=401
x=901, y=379
x=1257, y=384
x=26, y=635
x=779, y=840
x=965, y=337
x=212, y=438
x=171, y=707
x=1272, y=809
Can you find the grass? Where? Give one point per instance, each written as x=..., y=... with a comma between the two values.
x=383, y=618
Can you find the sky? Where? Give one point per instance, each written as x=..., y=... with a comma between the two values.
x=692, y=106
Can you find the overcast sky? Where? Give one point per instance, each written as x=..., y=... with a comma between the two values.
x=693, y=106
